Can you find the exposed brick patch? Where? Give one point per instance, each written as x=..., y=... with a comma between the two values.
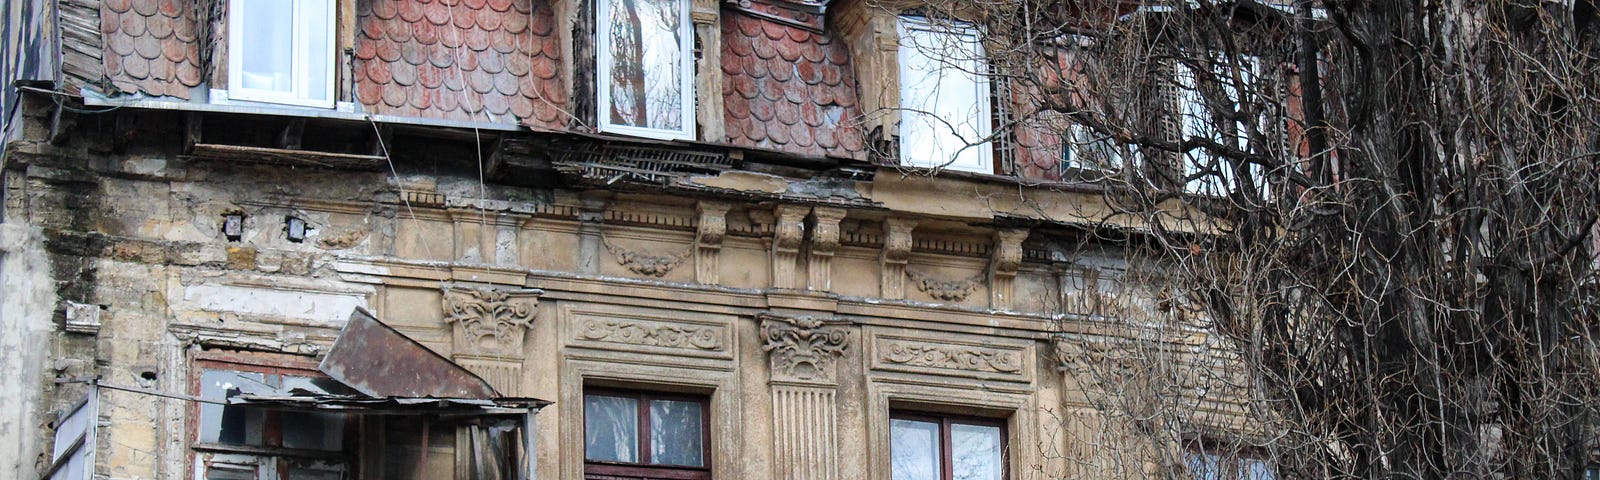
x=478, y=60
x=789, y=89
x=151, y=46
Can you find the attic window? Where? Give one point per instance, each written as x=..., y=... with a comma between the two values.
x=645, y=73
x=281, y=51
x=945, y=119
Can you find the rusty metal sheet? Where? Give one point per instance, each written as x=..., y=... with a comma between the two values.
x=378, y=361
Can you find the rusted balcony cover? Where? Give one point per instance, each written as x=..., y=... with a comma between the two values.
x=378, y=361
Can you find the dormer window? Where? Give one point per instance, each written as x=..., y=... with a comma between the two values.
x=1217, y=103
x=945, y=116
x=281, y=51
x=646, y=68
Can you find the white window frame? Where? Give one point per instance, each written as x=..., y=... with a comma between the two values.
x=977, y=158
x=300, y=58
x=1197, y=119
x=603, y=76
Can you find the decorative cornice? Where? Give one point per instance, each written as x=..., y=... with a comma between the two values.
x=946, y=290
x=803, y=349
x=489, y=321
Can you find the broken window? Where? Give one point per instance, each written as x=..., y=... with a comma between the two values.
x=630, y=435
x=945, y=119
x=239, y=442
x=281, y=51
x=646, y=68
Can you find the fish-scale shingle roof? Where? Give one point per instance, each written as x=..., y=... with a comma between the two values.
x=479, y=60
x=788, y=89
x=151, y=46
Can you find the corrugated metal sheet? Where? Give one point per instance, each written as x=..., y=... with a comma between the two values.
x=378, y=361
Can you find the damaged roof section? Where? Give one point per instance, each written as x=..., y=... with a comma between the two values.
x=380, y=362
x=473, y=60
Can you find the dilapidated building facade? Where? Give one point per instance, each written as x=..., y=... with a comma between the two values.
x=706, y=231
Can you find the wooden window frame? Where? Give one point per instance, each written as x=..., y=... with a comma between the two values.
x=946, y=453
x=1229, y=460
x=271, y=450
x=642, y=468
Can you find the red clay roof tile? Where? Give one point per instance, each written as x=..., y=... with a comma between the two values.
x=788, y=89
x=149, y=46
x=460, y=59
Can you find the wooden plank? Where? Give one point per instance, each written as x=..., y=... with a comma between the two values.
x=278, y=156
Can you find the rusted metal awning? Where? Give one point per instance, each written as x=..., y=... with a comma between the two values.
x=380, y=362
x=364, y=405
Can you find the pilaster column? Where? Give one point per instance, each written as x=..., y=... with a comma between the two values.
x=488, y=327
x=802, y=354
x=706, y=15
x=590, y=218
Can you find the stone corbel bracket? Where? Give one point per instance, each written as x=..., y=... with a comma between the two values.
x=895, y=255
x=824, y=242
x=804, y=349
x=787, y=235
x=1003, y=265
x=489, y=322
x=712, y=226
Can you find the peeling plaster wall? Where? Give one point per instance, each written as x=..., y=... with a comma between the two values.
x=27, y=298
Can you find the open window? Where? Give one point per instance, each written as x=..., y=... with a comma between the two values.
x=934, y=447
x=945, y=116
x=643, y=435
x=645, y=68
x=281, y=51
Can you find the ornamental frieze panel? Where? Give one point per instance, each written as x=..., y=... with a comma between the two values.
x=953, y=356
x=632, y=330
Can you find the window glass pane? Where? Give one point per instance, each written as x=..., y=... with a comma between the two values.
x=675, y=437
x=646, y=63
x=312, y=431
x=1255, y=469
x=1202, y=466
x=611, y=428
x=314, y=60
x=975, y=452
x=228, y=424
x=230, y=472
x=268, y=45
x=944, y=98
x=914, y=450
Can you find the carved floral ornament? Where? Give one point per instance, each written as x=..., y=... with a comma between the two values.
x=644, y=263
x=489, y=321
x=946, y=290
x=804, y=348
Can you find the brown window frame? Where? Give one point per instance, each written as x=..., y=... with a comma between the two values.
x=1230, y=461
x=643, y=468
x=946, y=454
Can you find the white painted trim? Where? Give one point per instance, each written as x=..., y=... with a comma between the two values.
x=603, y=74
x=983, y=128
x=299, y=58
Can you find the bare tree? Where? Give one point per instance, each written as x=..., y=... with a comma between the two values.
x=1387, y=210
